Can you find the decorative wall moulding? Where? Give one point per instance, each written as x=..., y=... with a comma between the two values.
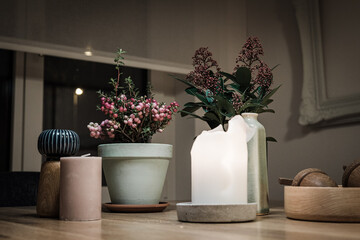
x=43, y=48
x=316, y=105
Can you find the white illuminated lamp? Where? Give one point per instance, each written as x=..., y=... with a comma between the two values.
x=79, y=91
x=219, y=168
x=88, y=53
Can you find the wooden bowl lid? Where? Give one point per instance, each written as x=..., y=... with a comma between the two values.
x=302, y=174
x=349, y=169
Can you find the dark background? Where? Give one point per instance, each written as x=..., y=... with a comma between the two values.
x=6, y=93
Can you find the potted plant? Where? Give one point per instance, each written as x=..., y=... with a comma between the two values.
x=246, y=91
x=134, y=169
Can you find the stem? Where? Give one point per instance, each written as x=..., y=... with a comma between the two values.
x=118, y=80
x=221, y=119
x=122, y=131
x=140, y=129
x=131, y=90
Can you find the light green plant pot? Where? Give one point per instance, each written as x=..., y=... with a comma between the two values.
x=135, y=172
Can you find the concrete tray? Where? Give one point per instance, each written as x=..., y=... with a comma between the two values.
x=215, y=213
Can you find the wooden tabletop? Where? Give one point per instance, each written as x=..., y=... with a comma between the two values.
x=22, y=223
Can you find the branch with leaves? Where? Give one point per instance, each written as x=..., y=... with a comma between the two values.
x=223, y=95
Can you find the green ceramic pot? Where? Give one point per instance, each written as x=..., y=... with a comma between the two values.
x=135, y=172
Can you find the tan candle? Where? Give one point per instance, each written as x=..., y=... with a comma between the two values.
x=80, y=188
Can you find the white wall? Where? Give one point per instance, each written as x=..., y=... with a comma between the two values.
x=341, y=62
x=28, y=111
x=164, y=91
x=180, y=133
x=153, y=29
x=298, y=147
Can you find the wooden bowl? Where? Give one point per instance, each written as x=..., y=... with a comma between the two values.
x=327, y=204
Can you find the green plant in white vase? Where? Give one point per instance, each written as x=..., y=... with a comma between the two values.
x=135, y=169
x=246, y=91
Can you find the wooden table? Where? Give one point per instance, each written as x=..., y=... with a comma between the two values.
x=22, y=223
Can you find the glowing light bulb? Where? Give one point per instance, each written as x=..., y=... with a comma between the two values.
x=88, y=53
x=79, y=91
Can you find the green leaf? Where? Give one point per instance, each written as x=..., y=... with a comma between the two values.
x=194, y=92
x=228, y=94
x=146, y=130
x=243, y=77
x=275, y=67
x=184, y=81
x=183, y=113
x=193, y=104
x=222, y=84
x=248, y=105
x=270, y=139
x=236, y=87
x=229, y=115
x=262, y=92
x=225, y=107
x=201, y=98
x=228, y=75
x=189, y=109
x=249, y=94
x=192, y=114
x=265, y=110
x=208, y=95
x=212, y=119
x=191, y=91
x=212, y=124
x=211, y=116
x=266, y=102
x=268, y=96
x=226, y=88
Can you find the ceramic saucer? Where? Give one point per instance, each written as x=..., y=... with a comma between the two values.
x=127, y=208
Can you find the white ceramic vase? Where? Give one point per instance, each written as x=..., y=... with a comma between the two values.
x=258, y=184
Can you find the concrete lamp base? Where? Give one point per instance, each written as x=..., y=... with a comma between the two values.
x=216, y=213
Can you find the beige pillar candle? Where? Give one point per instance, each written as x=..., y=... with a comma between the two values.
x=80, y=188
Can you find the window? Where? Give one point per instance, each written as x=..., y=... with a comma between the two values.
x=64, y=109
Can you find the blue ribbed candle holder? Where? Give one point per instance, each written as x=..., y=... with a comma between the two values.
x=56, y=143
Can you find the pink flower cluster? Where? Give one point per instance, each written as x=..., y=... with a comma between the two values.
x=96, y=130
x=250, y=52
x=249, y=56
x=132, y=118
x=237, y=102
x=203, y=75
x=264, y=75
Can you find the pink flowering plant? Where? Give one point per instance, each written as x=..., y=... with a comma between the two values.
x=223, y=95
x=130, y=118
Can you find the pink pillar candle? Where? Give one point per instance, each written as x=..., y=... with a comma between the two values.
x=80, y=188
